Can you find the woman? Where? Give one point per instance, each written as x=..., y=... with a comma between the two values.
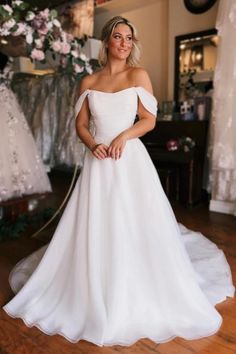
x=21, y=169
x=117, y=269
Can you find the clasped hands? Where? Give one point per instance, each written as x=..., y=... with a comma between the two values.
x=114, y=150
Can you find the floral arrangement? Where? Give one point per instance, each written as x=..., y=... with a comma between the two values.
x=172, y=145
x=186, y=143
x=42, y=32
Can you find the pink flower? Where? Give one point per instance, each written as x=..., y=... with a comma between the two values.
x=21, y=29
x=69, y=37
x=45, y=14
x=37, y=54
x=40, y=25
x=78, y=69
x=65, y=48
x=4, y=32
x=56, y=46
x=43, y=29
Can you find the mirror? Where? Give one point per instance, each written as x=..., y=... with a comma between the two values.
x=195, y=60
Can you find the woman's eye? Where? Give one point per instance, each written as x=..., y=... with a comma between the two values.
x=118, y=37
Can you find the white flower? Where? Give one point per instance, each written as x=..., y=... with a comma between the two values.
x=75, y=53
x=39, y=43
x=30, y=16
x=83, y=57
x=64, y=36
x=56, y=23
x=29, y=38
x=89, y=69
x=7, y=8
x=37, y=54
x=49, y=25
x=9, y=24
x=17, y=3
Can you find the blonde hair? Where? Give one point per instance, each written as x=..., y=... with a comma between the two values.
x=134, y=57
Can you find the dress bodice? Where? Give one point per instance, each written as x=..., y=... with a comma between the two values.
x=111, y=113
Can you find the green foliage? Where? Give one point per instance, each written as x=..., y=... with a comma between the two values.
x=13, y=230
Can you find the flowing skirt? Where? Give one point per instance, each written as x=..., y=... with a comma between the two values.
x=119, y=267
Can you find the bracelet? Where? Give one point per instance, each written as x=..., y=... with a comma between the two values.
x=94, y=147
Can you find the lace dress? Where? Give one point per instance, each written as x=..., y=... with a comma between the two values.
x=119, y=267
x=21, y=169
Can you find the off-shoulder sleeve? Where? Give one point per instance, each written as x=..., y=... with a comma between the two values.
x=147, y=99
x=80, y=101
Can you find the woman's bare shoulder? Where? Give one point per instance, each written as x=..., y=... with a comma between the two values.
x=140, y=78
x=89, y=81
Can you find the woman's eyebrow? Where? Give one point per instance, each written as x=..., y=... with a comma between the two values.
x=130, y=34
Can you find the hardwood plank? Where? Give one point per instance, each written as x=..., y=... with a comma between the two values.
x=207, y=345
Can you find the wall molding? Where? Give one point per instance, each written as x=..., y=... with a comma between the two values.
x=221, y=206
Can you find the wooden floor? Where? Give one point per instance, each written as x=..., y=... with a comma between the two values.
x=16, y=338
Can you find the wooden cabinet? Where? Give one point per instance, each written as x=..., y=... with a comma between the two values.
x=187, y=167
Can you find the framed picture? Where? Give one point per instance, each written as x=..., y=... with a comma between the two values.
x=202, y=107
x=167, y=110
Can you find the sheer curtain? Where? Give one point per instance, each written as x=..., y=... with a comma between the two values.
x=223, y=124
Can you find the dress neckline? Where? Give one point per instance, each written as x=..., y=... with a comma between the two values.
x=134, y=88
x=113, y=93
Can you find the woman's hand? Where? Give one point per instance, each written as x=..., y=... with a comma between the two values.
x=116, y=147
x=100, y=151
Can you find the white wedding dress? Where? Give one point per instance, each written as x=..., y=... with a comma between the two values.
x=21, y=169
x=119, y=266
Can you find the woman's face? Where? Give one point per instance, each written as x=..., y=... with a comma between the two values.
x=120, y=42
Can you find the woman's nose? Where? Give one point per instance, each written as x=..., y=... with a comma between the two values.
x=122, y=42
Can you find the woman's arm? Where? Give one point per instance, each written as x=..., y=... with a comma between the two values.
x=82, y=125
x=146, y=120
